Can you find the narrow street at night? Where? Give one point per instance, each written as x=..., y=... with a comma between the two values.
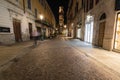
x=59, y=39
x=57, y=59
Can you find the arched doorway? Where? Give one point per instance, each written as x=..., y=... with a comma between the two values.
x=102, y=22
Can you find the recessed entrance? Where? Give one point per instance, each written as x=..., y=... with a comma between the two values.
x=78, y=33
x=17, y=30
x=101, y=30
x=89, y=29
x=30, y=30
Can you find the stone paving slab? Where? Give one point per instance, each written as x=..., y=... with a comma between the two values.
x=11, y=52
x=55, y=60
x=108, y=58
x=7, y=53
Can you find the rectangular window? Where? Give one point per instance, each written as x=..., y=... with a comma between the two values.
x=84, y=5
x=91, y=4
x=42, y=2
x=97, y=1
x=77, y=4
x=76, y=9
x=87, y=6
x=29, y=4
x=117, y=5
x=36, y=13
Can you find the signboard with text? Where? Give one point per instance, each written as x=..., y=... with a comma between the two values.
x=5, y=29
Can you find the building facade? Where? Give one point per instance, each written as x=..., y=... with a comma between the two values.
x=20, y=17
x=100, y=22
x=75, y=19
x=61, y=19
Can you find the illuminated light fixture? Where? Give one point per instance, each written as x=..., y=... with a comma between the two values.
x=41, y=17
x=89, y=17
x=72, y=24
x=65, y=26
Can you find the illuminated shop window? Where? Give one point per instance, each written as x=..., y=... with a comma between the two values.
x=117, y=37
x=89, y=29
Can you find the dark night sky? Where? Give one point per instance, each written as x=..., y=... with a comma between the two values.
x=54, y=4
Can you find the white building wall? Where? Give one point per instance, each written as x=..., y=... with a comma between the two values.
x=25, y=26
x=7, y=13
x=107, y=7
x=5, y=21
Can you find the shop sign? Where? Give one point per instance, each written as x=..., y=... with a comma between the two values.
x=5, y=29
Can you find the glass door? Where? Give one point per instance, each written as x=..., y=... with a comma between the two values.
x=89, y=32
x=78, y=33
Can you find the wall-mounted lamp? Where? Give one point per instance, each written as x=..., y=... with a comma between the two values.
x=41, y=17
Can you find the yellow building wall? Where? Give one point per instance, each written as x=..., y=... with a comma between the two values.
x=48, y=15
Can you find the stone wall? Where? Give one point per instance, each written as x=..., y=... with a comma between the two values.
x=7, y=38
x=107, y=7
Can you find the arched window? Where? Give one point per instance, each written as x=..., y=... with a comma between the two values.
x=103, y=16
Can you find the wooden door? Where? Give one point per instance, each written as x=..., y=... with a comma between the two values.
x=17, y=30
x=30, y=30
x=101, y=34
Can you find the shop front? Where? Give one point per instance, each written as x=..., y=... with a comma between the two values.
x=78, y=33
x=117, y=34
x=79, y=24
x=89, y=29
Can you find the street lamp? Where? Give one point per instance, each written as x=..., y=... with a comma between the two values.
x=65, y=26
x=41, y=17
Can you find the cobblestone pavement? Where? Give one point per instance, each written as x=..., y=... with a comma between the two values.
x=56, y=60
